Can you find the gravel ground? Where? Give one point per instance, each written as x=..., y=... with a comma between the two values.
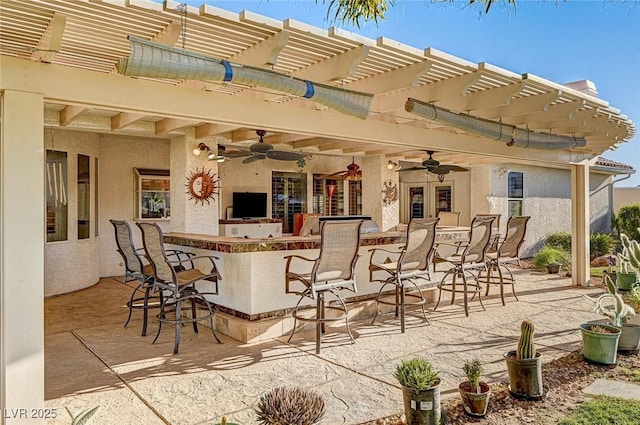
x=563, y=379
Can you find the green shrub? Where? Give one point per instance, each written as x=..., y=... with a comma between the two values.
x=559, y=240
x=628, y=220
x=549, y=254
x=601, y=244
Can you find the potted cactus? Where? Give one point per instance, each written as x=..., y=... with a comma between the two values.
x=475, y=393
x=525, y=366
x=600, y=343
x=420, y=391
x=629, y=333
x=629, y=260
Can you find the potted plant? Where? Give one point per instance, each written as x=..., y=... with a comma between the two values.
x=629, y=260
x=420, y=391
x=290, y=406
x=600, y=343
x=525, y=366
x=552, y=258
x=632, y=298
x=475, y=393
x=630, y=333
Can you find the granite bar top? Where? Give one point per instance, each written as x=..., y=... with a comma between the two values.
x=250, y=221
x=286, y=243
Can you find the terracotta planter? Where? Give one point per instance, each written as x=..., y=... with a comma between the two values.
x=599, y=347
x=422, y=407
x=525, y=376
x=475, y=404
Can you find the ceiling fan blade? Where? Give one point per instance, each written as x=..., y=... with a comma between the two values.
x=439, y=170
x=402, y=170
x=252, y=158
x=284, y=155
x=454, y=168
x=260, y=147
x=232, y=153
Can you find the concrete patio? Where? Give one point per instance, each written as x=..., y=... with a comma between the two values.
x=91, y=359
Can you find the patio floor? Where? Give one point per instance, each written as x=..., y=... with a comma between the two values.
x=91, y=359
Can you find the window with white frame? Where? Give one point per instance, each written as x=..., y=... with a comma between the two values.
x=515, y=193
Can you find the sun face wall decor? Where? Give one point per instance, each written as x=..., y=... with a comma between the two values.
x=389, y=192
x=202, y=186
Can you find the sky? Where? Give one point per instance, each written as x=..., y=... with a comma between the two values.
x=595, y=40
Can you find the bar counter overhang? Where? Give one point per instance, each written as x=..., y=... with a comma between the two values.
x=252, y=295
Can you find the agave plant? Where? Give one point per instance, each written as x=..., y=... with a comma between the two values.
x=84, y=417
x=290, y=406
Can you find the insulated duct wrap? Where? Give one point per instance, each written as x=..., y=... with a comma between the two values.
x=152, y=60
x=509, y=134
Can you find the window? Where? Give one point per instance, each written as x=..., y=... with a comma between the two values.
x=328, y=195
x=515, y=193
x=56, y=189
x=288, y=197
x=84, y=197
x=153, y=194
x=355, y=197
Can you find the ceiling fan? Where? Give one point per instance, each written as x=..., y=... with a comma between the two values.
x=264, y=150
x=433, y=166
x=353, y=172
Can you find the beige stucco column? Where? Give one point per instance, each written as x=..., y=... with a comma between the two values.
x=187, y=215
x=21, y=255
x=580, y=222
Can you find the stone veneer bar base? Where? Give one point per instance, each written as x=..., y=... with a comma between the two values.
x=270, y=328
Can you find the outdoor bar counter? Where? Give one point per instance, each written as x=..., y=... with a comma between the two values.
x=252, y=286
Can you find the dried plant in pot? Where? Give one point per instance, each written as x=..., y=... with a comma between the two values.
x=420, y=391
x=474, y=393
x=525, y=366
x=290, y=406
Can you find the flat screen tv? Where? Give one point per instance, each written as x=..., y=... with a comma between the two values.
x=249, y=205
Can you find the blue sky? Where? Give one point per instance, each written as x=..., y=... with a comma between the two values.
x=562, y=42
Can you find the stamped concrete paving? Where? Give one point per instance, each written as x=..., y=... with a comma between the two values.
x=91, y=359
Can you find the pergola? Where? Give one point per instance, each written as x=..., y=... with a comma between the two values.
x=58, y=68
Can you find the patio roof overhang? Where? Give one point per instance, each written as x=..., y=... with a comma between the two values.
x=68, y=51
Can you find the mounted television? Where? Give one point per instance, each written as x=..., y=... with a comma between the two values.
x=249, y=205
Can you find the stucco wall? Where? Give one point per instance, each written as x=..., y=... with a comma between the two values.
x=547, y=199
x=118, y=157
x=73, y=264
x=623, y=196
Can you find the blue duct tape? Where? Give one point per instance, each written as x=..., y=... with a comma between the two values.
x=310, y=90
x=228, y=71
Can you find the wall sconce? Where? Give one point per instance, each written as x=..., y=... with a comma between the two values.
x=393, y=165
x=201, y=147
x=212, y=156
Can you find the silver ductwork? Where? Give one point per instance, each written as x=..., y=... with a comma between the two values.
x=153, y=60
x=512, y=136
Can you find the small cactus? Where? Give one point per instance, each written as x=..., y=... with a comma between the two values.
x=526, y=349
x=290, y=406
x=474, y=370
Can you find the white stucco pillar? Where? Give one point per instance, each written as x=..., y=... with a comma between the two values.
x=21, y=255
x=580, y=219
x=187, y=215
